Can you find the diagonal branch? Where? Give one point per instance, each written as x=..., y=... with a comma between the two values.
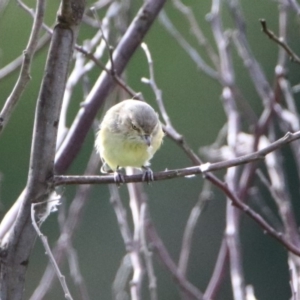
x=24, y=75
x=293, y=56
x=121, y=56
x=205, y=168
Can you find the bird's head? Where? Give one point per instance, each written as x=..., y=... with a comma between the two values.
x=139, y=122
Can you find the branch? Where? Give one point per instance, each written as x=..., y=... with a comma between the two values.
x=20, y=241
x=147, y=254
x=293, y=56
x=187, y=172
x=253, y=215
x=122, y=54
x=189, y=14
x=47, y=248
x=69, y=227
x=184, y=172
x=131, y=244
x=162, y=253
x=192, y=52
x=24, y=75
x=188, y=235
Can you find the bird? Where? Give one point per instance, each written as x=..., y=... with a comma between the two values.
x=129, y=136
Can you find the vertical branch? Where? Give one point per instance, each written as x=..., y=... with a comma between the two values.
x=284, y=85
x=278, y=178
x=68, y=230
x=283, y=17
x=20, y=241
x=148, y=255
x=135, y=194
x=132, y=247
x=232, y=213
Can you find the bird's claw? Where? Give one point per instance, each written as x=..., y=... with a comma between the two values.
x=119, y=178
x=147, y=175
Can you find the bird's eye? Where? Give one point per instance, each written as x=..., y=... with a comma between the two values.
x=134, y=127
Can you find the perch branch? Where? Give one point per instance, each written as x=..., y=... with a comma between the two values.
x=184, y=172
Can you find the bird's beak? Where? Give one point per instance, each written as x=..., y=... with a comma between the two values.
x=147, y=140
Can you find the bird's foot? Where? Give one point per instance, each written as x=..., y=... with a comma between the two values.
x=119, y=178
x=147, y=175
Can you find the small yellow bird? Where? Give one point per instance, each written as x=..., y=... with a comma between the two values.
x=129, y=135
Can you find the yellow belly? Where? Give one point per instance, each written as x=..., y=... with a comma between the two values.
x=119, y=152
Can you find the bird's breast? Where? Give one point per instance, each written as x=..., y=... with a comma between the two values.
x=118, y=150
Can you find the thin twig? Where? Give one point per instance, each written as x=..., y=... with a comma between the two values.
x=72, y=222
x=218, y=273
x=192, y=52
x=293, y=56
x=94, y=57
x=24, y=75
x=196, y=30
x=253, y=215
x=158, y=94
x=47, y=248
x=17, y=62
x=162, y=253
x=75, y=271
x=191, y=223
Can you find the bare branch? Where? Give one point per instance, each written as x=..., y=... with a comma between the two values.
x=194, y=55
x=24, y=75
x=187, y=239
x=122, y=54
x=156, y=90
x=294, y=5
x=196, y=30
x=132, y=245
x=234, y=127
x=185, y=172
x=148, y=255
x=165, y=258
x=59, y=180
x=69, y=227
x=219, y=272
x=293, y=56
x=21, y=238
x=17, y=63
x=44, y=240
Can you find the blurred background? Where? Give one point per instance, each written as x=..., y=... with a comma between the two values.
x=193, y=103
